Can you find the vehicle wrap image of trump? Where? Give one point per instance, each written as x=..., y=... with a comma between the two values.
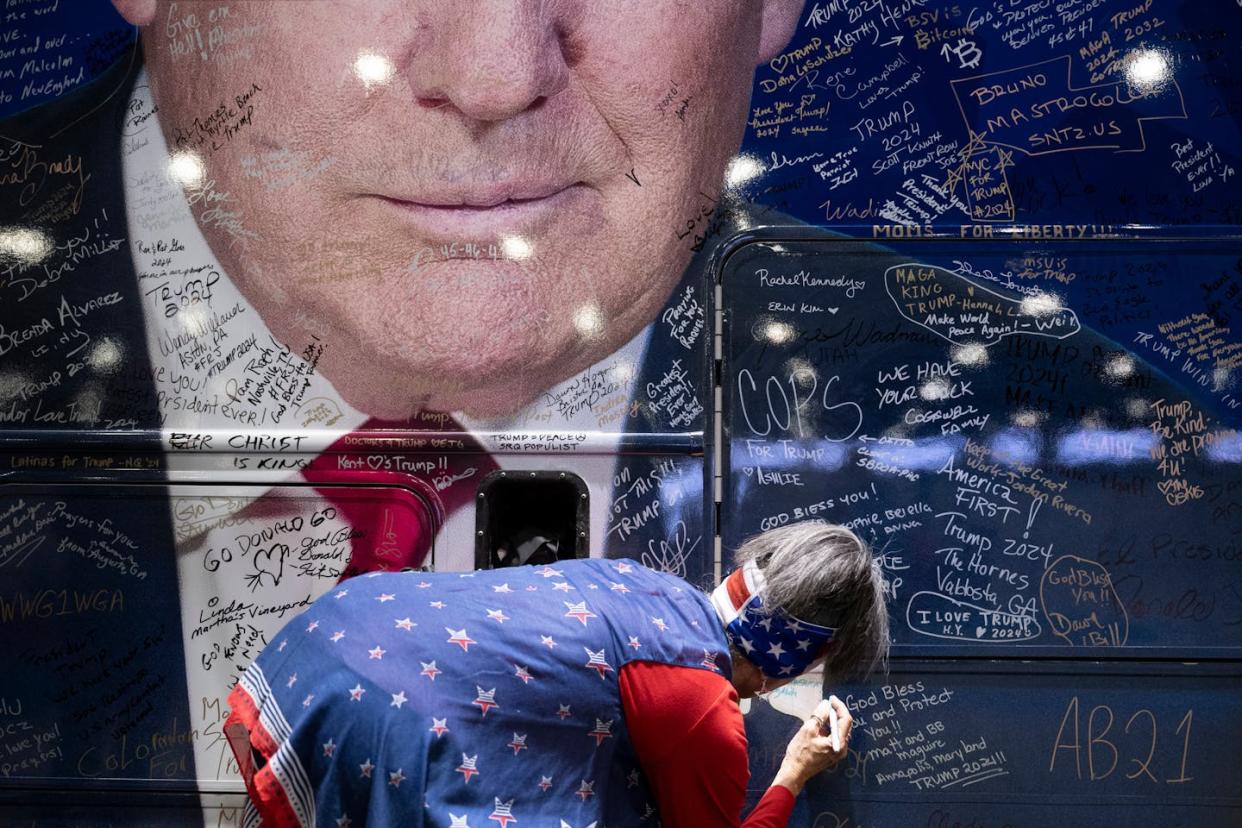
x=295, y=221
x=527, y=128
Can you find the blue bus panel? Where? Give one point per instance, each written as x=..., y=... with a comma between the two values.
x=289, y=291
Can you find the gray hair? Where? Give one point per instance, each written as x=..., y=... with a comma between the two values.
x=824, y=573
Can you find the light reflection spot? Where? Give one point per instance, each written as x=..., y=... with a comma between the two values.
x=742, y=169
x=589, y=321
x=105, y=355
x=778, y=333
x=1137, y=408
x=372, y=68
x=1119, y=367
x=1146, y=67
x=1027, y=418
x=1040, y=304
x=25, y=244
x=970, y=354
x=1221, y=377
x=186, y=168
x=516, y=247
x=935, y=389
x=622, y=372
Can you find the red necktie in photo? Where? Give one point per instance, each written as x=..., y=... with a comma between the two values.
x=395, y=529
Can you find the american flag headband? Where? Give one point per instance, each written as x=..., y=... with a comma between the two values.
x=780, y=645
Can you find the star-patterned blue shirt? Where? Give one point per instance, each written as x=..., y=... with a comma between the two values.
x=477, y=699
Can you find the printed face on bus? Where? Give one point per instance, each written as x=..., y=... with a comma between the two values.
x=466, y=202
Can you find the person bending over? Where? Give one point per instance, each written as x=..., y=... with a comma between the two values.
x=589, y=692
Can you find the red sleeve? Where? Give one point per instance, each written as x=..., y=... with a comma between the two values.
x=687, y=731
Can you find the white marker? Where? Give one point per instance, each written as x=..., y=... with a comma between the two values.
x=832, y=724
